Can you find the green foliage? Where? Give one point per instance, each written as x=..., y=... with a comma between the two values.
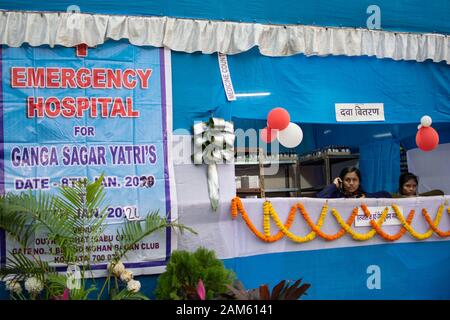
x=127, y=295
x=19, y=266
x=185, y=269
x=135, y=231
x=73, y=219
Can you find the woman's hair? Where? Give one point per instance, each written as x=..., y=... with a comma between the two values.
x=350, y=170
x=405, y=177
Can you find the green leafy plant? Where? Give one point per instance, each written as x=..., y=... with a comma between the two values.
x=72, y=220
x=284, y=290
x=185, y=269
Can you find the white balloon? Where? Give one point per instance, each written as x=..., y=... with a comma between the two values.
x=426, y=121
x=419, y=126
x=290, y=137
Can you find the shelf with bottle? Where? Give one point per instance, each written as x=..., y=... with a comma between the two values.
x=269, y=190
x=265, y=162
x=283, y=158
x=317, y=168
x=254, y=175
x=326, y=151
x=248, y=190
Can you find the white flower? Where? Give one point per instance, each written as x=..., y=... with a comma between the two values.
x=34, y=285
x=133, y=286
x=16, y=288
x=126, y=276
x=116, y=267
x=13, y=286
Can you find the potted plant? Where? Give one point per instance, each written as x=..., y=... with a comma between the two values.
x=194, y=275
x=73, y=222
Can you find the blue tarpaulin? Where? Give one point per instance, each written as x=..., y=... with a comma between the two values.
x=309, y=87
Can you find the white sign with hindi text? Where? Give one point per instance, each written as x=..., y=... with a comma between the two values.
x=348, y=112
x=391, y=219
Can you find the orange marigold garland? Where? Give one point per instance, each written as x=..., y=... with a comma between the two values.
x=383, y=234
x=356, y=235
x=319, y=232
x=414, y=233
x=310, y=236
x=237, y=206
x=266, y=218
x=438, y=231
x=269, y=211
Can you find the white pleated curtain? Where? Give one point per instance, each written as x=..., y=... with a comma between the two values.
x=188, y=35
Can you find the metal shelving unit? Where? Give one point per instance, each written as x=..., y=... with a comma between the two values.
x=254, y=167
x=283, y=190
x=258, y=168
x=326, y=160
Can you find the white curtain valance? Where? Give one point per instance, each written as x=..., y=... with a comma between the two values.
x=188, y=35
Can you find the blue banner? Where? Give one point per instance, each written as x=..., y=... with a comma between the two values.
x=67, y=116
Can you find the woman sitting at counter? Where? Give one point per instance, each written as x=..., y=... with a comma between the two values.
x=348, y=185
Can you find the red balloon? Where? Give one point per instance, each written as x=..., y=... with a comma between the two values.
x=278, y=118
x=268, y=135
x=427, y=138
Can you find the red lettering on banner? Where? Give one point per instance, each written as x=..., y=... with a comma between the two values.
x=144, y=75
x=78, y=107
x=68, y=107
x=114, y=78
x=35, y=107
x=82, y=104
x=68, y=78
x=93, y=104
x=99, y=78
x=104, y=106
x=82, y=78
x=18, y=77
x=53, y=75
x=129, y=84
x=93, y=110
x=52, y=113
x=118, y=109
x=131, y=113
x=36, y=77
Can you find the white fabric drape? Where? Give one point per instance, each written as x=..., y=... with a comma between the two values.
x=431, y=168
x=188, y=35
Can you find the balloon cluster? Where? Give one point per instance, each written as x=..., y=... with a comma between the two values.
x=426, y=138
x=279, y=126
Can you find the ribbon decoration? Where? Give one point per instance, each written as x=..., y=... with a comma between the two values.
x=213, y=143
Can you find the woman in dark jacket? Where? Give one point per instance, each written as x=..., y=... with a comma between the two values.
x=348, y=185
